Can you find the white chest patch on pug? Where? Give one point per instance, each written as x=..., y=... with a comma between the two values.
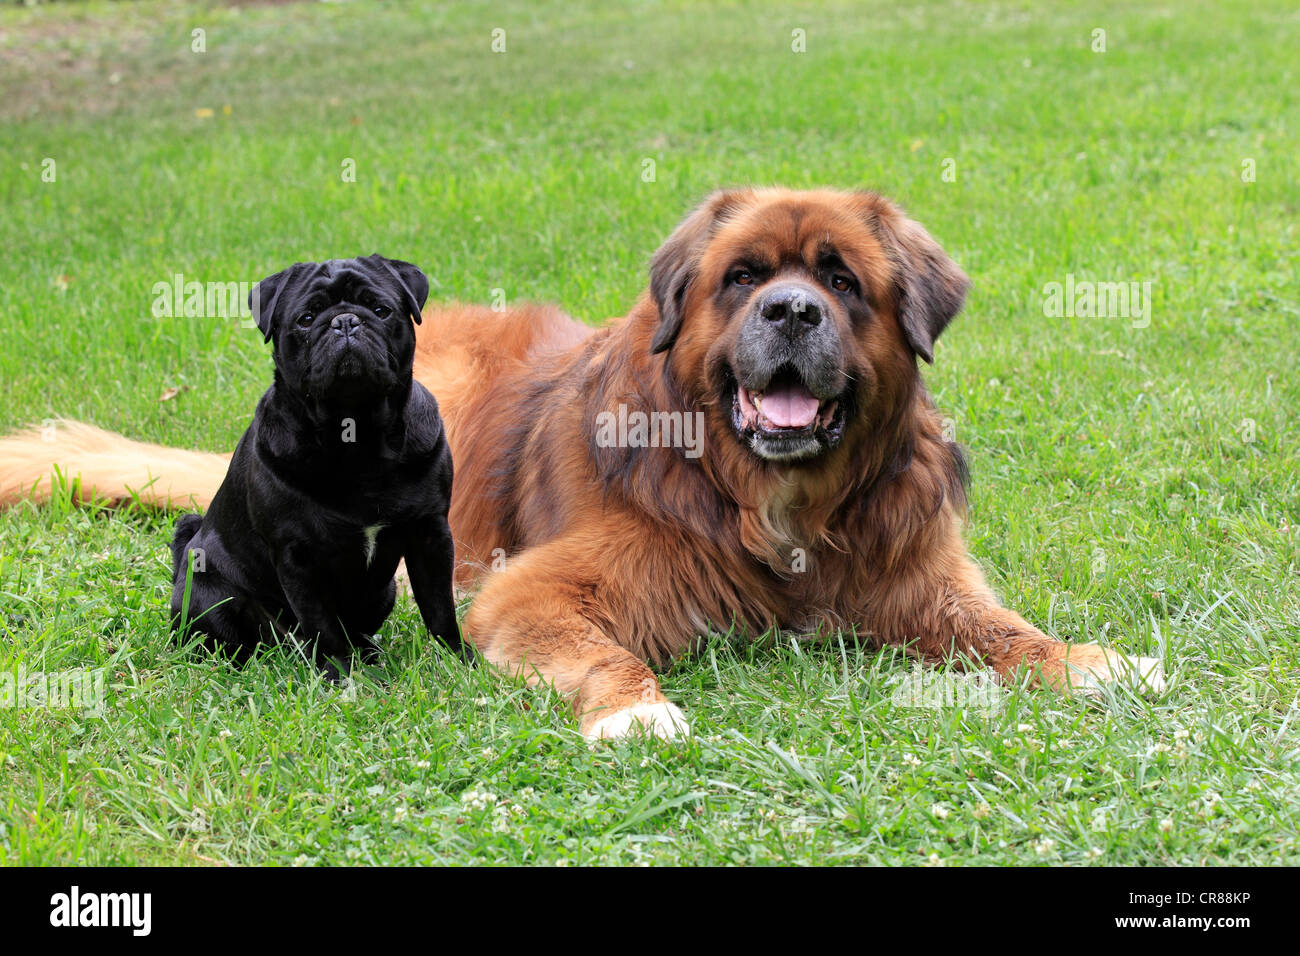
x=371, y=535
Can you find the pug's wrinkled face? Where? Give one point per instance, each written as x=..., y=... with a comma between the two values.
x=342, y=329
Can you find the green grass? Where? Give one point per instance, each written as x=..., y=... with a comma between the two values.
x=1114, y=496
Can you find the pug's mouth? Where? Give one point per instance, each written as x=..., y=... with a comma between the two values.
x=783, y=420
x=351, y=371
x=352, y=363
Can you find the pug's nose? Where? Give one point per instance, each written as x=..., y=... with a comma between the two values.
x=345, y=324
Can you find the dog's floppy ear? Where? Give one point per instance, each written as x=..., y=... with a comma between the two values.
x=412, y=280
x=931, y=287
x=675, y=263
x=262, y=299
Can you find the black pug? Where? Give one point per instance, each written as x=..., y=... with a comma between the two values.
x=344, y=471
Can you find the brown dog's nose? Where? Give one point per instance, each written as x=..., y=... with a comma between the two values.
x=791, y=308
x=346, y=324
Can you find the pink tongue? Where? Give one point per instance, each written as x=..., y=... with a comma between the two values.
x=789, y=406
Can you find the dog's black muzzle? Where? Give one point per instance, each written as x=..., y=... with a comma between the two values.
x=789, y=328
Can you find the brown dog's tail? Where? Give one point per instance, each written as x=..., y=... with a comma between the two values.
x=97, y=465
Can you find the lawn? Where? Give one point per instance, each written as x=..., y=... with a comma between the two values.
x=1135, y=481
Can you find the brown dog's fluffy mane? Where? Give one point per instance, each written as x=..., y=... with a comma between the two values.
x=831, y=503
x=835, y=501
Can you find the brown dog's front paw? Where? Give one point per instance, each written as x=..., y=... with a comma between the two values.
x=1091, y=667
x=663, y=720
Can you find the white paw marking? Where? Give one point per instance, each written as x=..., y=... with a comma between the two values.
x=372, y=535
x=1144, y=674
x=664, y=719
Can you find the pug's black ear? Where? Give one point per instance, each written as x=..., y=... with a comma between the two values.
x=413, y=282
x=673, y=268
x=262, y=299
x=931, y=287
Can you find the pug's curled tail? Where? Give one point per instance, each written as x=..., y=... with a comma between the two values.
x=89, y=464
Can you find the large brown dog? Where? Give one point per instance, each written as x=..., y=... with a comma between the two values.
x=819, y=494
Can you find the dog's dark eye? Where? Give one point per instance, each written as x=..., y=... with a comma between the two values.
x=306, y=319
x=742, y=277
x=381, y=310
x=841, y=283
